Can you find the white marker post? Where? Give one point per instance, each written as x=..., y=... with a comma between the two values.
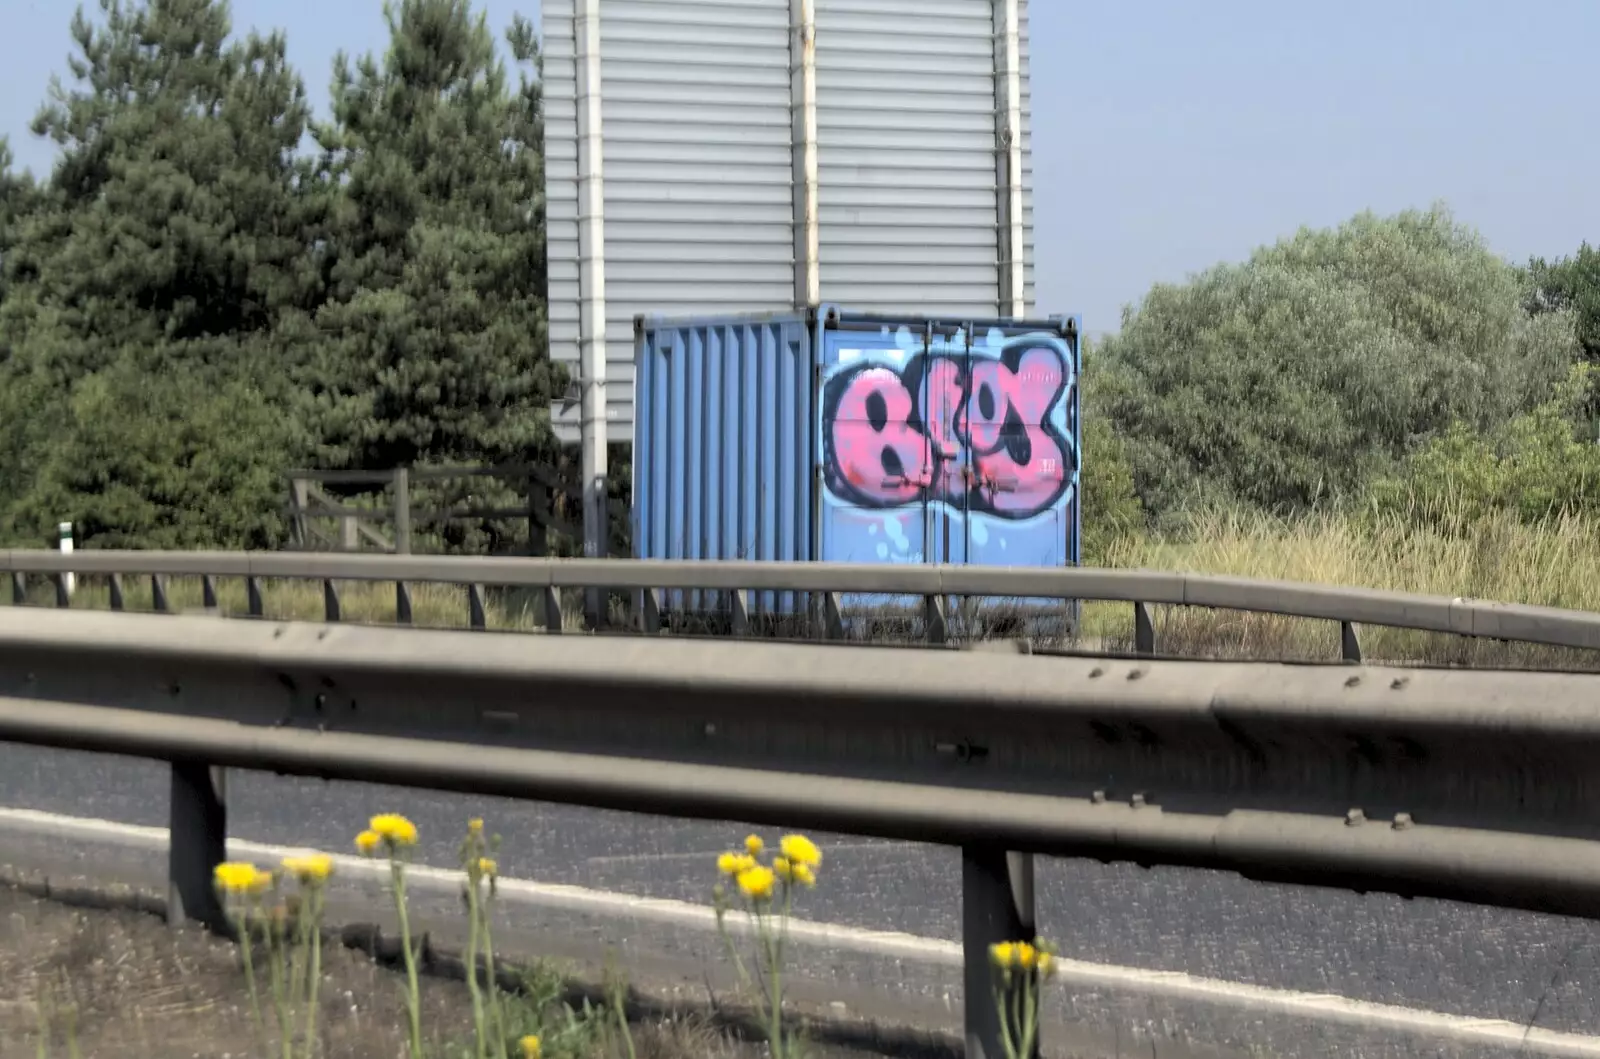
x=68, y=581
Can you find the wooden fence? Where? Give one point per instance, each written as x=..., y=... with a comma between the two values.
x=390, y=522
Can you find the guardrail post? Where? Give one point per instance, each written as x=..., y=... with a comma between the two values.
x=1144, y=630
x=832, y=616
x=648, y=603
x=331, y=610
x=1349, y=641
x=118, y=601
x=197, y=820
x=739, y=601
x=19, y=588
x=933, y=614
x=158, y=594
x=477, y=609
x=552, y=609
x=208, y=591
x=252, y=597
x=996, y=906
x=63, y=591
x=402, y=603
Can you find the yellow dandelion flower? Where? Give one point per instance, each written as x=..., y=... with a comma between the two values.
x=529, y=1046
x=757, y=882
x=1003, y=953
x=1047, y=963
x=1027, y=956
x=395, y=829
x=734, y=863
x=753, y=845
x=804, y=875
x=311, y=869
x=801, y=850
x=783, y=869
x=475, y=825
x=237, y=877
x=487, y=867
x=367, y=842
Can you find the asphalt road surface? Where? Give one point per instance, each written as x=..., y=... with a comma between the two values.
x=1437, y=956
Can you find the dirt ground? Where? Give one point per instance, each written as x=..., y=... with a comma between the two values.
x=119, y=984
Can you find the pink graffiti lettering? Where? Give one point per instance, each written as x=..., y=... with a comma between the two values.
x=975, y=431
x=1020, y=467
x=875, y=450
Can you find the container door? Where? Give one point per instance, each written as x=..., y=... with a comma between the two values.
x=1019, y=435
x=875, y=460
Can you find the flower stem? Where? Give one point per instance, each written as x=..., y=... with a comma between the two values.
x=413, y=995
x=497, y=1013
x=243, y=922
x=314, y=979
x=472, y=968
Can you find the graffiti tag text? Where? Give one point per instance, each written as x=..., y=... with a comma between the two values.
x=973, y=431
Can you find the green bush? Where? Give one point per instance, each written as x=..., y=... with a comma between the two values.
x=1536, y=465
x=1305, y=373
x=1112, y=512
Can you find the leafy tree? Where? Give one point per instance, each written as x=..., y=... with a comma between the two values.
x=436, y=312
x=1296, y=377
x=1571, y=284
x=1111, y=508
x=171, y=244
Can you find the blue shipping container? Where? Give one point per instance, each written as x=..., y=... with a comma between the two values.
x=848, y=437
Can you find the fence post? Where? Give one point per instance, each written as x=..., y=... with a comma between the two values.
x=996, y=906
x=538, y=516
x=69, y=581
x=402, y=511
x=197, y=843
x=299, y=500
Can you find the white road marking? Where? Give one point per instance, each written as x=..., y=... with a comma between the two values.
x=709, y=855
x=1075, y=975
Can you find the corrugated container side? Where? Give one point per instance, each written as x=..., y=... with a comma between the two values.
x=722, y=446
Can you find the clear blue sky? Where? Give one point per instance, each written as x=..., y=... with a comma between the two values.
x=1169, y=134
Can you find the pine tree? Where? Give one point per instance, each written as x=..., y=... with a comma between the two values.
x=154, y=284
x=436, y=309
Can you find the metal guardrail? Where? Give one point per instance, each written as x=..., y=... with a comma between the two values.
x=1439, y=783
x=828, y=582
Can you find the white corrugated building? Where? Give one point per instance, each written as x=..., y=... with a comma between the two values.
x=703, y=118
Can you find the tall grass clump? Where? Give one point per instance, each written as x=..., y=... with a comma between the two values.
x=1460, y=551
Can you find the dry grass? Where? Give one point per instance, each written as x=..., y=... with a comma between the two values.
x=113, y=984
x=1553, y=564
